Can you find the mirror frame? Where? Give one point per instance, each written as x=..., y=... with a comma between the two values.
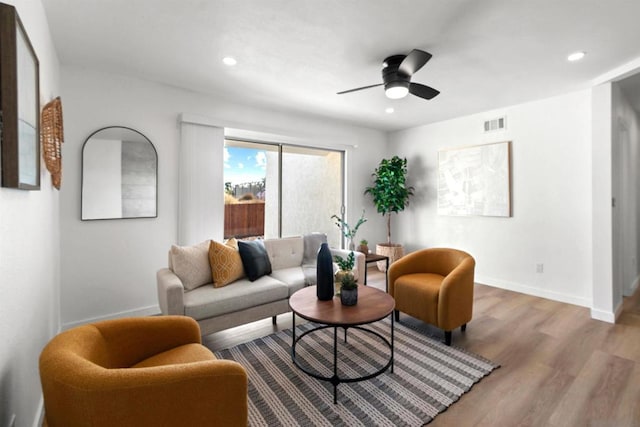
x=14, y=45
x=82, y=173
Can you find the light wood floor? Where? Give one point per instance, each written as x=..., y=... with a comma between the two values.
x=558, y=366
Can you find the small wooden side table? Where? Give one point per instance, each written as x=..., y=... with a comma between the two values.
x=369, y=258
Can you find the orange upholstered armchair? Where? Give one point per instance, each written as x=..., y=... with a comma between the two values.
x=150, y=371
x=436, y=286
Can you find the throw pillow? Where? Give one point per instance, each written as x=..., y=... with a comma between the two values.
x=312, y=244
x=254, y=259
x=226, y=265
x=232, y=242
x=191, y=264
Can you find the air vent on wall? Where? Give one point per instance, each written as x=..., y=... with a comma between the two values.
x=495, y=124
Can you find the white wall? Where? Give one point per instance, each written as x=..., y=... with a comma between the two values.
x=29, y=257
x=551, y=198
x=603, y=306
x=109, y=267
x=626, y=167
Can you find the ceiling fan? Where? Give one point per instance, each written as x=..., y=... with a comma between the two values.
x=396, y=76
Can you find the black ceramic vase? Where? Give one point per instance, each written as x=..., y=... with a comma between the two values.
x=324, y=273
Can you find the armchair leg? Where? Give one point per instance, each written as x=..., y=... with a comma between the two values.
x=447, y=337
x=274, y=320
x=463, y=327
x=396, y=314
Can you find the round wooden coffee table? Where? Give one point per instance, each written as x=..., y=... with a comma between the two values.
x=373, y=305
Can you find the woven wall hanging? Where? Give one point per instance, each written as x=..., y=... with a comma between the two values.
x=52, y=136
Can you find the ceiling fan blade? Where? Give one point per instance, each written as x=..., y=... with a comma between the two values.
x=413, y=62
x=423, y=91
x=360, y=88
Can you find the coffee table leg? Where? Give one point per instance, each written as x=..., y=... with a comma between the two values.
x=335, y=380
x=386, y=277
x=392, y=360
x=293, y=335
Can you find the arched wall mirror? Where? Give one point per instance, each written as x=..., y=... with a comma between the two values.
x=119, y=175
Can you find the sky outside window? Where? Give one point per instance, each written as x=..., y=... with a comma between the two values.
x=243, y=165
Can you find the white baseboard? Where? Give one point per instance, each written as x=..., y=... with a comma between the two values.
x=597, y=314
x=37, y=422
x=144, y=311
x=618, y=311
x=605, y=316
x=536, y=292
x=631, y=289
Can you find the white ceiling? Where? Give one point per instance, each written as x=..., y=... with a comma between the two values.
x=296, y=54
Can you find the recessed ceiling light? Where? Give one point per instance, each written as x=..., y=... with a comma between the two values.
x=229, y=61
x=575, y=56
x=389, y=110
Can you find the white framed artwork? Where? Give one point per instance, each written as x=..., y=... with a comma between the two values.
x=475, y=180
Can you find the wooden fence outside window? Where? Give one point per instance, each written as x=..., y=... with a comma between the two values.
x=244, y=220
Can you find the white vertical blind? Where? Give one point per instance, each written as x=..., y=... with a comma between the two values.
x=201, y=175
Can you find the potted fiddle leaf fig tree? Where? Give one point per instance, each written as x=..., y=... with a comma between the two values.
x=390, y=194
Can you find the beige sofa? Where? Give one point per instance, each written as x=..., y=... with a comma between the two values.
x=293, y=267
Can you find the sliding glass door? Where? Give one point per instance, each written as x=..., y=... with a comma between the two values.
x=312, y=191
x=275, y=190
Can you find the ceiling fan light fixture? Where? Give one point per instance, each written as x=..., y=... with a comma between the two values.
x=396, y=90
x=397, y=71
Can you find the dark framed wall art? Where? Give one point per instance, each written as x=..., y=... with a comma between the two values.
x=19, y=104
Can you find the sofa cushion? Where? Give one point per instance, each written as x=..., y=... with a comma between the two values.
x=310, y=275
x=254, y=259
x=285, y=253
x=294, y=278
x=312, y=244
x=226, y=264
x=207, y=301
x=191, y=264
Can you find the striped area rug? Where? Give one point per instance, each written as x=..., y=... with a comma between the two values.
x=428, y=377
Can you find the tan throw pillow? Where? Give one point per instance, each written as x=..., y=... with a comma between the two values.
x=191, y=264
x=226, y=264
x=232, y=242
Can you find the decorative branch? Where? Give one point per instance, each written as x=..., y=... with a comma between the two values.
x=348, y=231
